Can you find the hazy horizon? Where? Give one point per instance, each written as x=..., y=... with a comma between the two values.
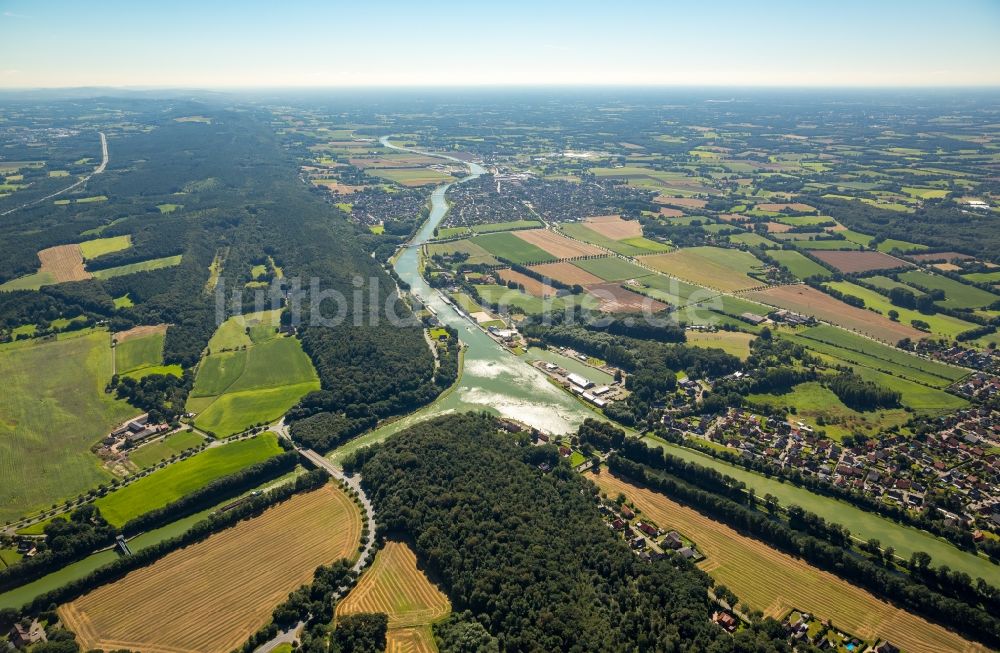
x=298, y=44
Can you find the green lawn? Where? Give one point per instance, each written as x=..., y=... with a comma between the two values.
x=52, y=410
x=798, y=264
x=736, y=343
x=91, y=249
x=143, y=266
x=507, y=245
x=252, y=375
x=174, y=481
x=152, y=453
x=904, y=539
x=940, y=324
x=956, y=293
x=612, y=268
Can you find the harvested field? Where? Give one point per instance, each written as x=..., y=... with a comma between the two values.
x=394, y=585
x=210, y=596
x=613, y=227
x=667, y=212
x=683, y=202
x=777, y=227
x=140, y=332
x=850, y=262
x=531, y=286
x=335, y=186
x=615, y=298
x=809, y=301
x=775, y=582
x=64, y=263
x=733, y=217
x=410, y=640
x=946, y=267
x=712, y=267
x=566, y=273
x=558, y=245
x=794, y=206
x=940, y=256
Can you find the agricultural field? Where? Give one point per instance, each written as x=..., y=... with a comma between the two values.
x=613, y=227
x=890, y=244
x=852, y=348
x=530, y=304
x=775, y=583
x=509, y=246
x=736, y=343
x=184, y=477
x=237, y=576
x=477, y=254
x=505, y=226
x=566, y=273
x=712, y=267
x=582, y=232
x=557, y=245
x=394, y=585
x=251, y=375
x=531, y=285
x=956, y=294
x=863, y=524
x=91, y=249
x=940, y=324
x=411, y=177
x=49, y=421
x=142, y=266
x=983, y=277
x=674, y=291
x=751, y=239
x=798, y=264
x=612, y=268
x=617, y=298
x=152, y=453
x=58, y=264
x=852, y=262
x=809, y=301
x=139, y=352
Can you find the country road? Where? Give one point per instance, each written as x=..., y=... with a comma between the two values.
x=354, y=482
x=98, y=170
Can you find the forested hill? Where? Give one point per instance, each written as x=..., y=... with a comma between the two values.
x=527, y=551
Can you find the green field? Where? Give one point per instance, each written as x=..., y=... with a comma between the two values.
x=612, y=268
x=983, y=277
x=143, y=266
x=890, y=244
x=736, y=343
x=411, y=176
x=813, y=402
x=863, y=524
x=940, y=324
x=150, y=454
x=752, y=239
x=626, y=247
x=477, y=255
x=853, y=348
x=169, y=208
x=530, y=304
x=506, y=226
x=123, y=302
x=825, y=244
x=174, y=481
x=956, y=293
x=135, y=354
x=887, y=284
x=52, y=410
x=91, y=249
x=674, y=291
x=713, y=267
x=798, y=264
x=252, y=375
x=507, y=245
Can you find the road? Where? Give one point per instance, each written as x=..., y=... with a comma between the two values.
x=354, y=482
x=98, y=170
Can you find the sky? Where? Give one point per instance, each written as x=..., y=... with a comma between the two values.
x=281, y=43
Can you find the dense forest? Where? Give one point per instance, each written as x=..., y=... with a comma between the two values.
x=496, y=530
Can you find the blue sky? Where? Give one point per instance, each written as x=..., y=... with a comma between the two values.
x=427, y=42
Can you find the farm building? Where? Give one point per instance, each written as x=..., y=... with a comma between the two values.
x=578, y=380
